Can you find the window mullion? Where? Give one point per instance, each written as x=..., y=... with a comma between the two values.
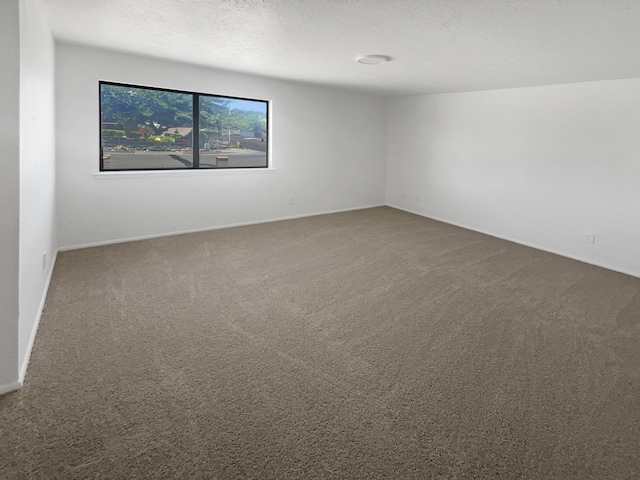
x=195, y=136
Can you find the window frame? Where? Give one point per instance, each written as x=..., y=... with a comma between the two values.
x=195, y=96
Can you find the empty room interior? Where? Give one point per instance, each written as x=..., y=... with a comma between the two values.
x=296, y=239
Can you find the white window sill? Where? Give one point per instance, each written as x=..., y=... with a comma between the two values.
x=206, y=172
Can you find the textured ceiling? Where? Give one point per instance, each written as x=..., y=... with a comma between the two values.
x=435, y=45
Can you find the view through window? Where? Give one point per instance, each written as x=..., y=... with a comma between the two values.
x=144, y=128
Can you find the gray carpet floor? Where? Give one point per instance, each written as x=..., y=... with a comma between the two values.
x=366, y=344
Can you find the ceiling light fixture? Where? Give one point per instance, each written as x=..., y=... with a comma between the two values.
x=372, y=59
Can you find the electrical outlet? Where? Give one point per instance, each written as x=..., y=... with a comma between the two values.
x=44, y=260
x=589, y=237
x=292, y=200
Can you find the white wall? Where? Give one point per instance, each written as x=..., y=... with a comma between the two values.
x=328, y=151
x=37, y=170
x=9, y=193
x=540, y=165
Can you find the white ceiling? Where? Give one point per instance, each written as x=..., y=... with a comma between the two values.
x=435, y=45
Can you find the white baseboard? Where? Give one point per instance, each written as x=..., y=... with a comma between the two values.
x=207, y=229
x=34, y=331
x=22, y=372
x=520, y=242
x=10, y=387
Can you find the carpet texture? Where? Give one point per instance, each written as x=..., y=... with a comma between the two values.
x=366, y=344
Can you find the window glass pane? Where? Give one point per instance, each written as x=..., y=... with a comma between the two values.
x=145, y=129
x=233, y=132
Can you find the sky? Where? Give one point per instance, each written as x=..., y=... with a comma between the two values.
x=248, y=105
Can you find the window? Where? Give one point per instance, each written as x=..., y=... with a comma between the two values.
x=144, y=128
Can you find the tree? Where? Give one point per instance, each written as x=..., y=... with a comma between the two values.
x=214, y=114
x=154, y=112
x=140, y=107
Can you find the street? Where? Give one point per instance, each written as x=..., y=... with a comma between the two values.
x=238, y=158
x=250, y=143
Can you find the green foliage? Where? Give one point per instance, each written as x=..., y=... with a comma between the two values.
x=213, y=113
x=248, y=120
x=217, y=116
x=207, y=136
x=158, y=112
x=109, y=133
x=154, y=109
x=161, y=140
x=175, y=135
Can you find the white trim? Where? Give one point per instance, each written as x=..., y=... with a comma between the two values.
x=207, y=229
x=34, y=331
x=187, y=172
x=10, y=387
x=526, y=244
